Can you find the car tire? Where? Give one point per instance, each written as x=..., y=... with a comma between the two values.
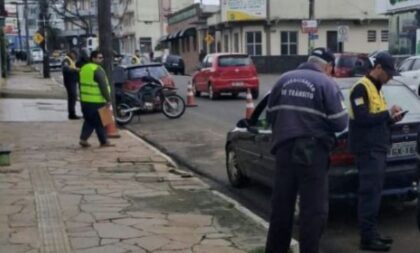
x=255, y=94
x=195, y=91
x=212, y=94
x=235, y=174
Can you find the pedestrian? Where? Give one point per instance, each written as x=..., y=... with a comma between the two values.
x=305, y=110
x=94, y=94
x=70, y=78
x=83, y=58
x=201, y=55
x=369, y=139
x=135, y=59
x=151, y=55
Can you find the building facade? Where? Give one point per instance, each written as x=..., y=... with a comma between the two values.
x=276, y=28
x=404, y=25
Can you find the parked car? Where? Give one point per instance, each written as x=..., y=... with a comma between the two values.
x=351, y=64
x=37, y=55
x=248, y=150
x=410, y=72
x=129, y=77
x=55, y=62
x=233, y=73
x=175, y=64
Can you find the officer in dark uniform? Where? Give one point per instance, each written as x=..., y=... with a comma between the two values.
x=305, y=109
x=369, y=137
x=70, y=77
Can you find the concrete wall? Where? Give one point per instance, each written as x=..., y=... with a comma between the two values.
x=346, y=9
x=296, y=9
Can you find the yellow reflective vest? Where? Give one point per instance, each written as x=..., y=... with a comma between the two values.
x=135, y=60
x=72, y=63
x=376, y=101
x=90, y=91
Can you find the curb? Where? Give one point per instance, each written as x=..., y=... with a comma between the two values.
x=159, y=149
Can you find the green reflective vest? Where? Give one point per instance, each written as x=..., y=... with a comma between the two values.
x=89, y=88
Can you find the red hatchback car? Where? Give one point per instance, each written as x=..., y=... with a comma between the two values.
x=351, y=64
x=233, y=73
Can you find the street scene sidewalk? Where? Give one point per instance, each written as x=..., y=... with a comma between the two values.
x=58, y=197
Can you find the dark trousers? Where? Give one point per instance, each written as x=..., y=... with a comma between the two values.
x=71, y=88
x=311, y=182
x=92, y=122
x=371, y=166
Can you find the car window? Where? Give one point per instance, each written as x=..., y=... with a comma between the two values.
x=234, y=61
x=259, y=117
x=203, y=64
x=405, y=66
x=209, y=62
x=416, y=65
x=395, y=95
x=157, y=72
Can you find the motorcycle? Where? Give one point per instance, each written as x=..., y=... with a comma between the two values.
x=151, y=96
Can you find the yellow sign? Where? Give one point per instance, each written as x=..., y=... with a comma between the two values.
x=38, y=38
x=209, y=39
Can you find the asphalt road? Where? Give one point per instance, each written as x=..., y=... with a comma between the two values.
x=197, y=140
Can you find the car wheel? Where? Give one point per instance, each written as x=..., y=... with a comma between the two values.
x=255, y=94
x=212, y=94
x=235, y=174
x=195, y=91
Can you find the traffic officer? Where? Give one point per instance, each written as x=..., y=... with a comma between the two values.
x=70, y=78
x=305, y=110
x=136, y=57
x=94, y=94
x=369, y=138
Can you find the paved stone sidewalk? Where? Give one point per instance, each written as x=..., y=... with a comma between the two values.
x=58, y=197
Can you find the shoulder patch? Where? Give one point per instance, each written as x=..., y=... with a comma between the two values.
x=359, y=101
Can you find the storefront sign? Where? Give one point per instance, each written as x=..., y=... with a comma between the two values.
x=391, y=6
x=309, y=26
x=244, y=10
x=184, y=15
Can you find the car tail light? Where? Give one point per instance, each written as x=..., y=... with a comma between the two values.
x=341, y=156
x=132, y=85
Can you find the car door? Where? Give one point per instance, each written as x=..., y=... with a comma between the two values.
x=406, y=68
x=207, y=72
x=199, y=77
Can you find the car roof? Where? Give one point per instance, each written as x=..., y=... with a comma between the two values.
x=350, y=54
x=227, y=54
x=414, y=57
x=134, y=66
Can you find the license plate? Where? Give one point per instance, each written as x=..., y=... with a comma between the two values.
x=402, y=149
x=237, y=84
x=174, y=64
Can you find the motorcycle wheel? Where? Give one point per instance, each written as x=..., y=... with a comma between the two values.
x=123, y=117
x=173, y=106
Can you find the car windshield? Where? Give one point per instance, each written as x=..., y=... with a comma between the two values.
x=395, y=95
x=157, y=72
x=233, y=60
x=350, y=61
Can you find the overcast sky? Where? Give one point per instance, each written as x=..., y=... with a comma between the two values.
x=208, y=1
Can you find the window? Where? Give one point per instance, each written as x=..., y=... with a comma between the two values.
x=288, y=43
x=416, y=65
x=236, y=42
x=254, y=43
x=226, y=42
x=194, y=42
x=371, y=36
x=384, y=35
x=145, y=44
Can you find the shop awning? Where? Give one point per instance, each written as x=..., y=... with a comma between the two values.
x=163, y=38
x=187, y=32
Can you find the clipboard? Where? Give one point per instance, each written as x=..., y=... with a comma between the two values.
x=106, y=115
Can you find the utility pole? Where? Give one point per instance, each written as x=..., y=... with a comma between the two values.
x=26, y=13
x=311, y=17
x=18, y=27
x=44, y=26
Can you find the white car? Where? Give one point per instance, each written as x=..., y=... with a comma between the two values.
x=37, y=55
x=410, y=72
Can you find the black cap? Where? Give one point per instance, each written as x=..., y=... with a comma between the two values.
x=387, y=63
x=323, y=53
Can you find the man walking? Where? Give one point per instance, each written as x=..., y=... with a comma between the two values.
x=369, y=137
x=70, y=78
x=305, y=109
x=94, y=94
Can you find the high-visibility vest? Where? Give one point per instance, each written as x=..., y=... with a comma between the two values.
x=135, y=60
x=89, y=88
x=72, y=63
x=377, y=101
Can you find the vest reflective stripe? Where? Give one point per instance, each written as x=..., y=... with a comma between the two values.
x=89, y=88
x=377, y=101
x=72, y=63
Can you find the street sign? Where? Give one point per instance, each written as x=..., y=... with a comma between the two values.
x=38, y=38
x=309, y=26
x=343, y=33
x=209, y=39
x=74, y=41
x=313, y=36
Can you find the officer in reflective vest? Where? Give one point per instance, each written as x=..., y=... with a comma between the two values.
x=70, y=78
x=369, y=138
x=136, y=58
x=94, y=94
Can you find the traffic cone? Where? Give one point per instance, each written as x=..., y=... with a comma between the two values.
x=111, y=129
x=249, y=105
x=190, y=96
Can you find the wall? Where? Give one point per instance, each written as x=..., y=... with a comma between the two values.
x=277, y=64
x=346, y=9
x=296, y=9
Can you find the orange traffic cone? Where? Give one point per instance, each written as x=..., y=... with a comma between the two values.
x=249, y=105
x=190, y=96
x=111, y=129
